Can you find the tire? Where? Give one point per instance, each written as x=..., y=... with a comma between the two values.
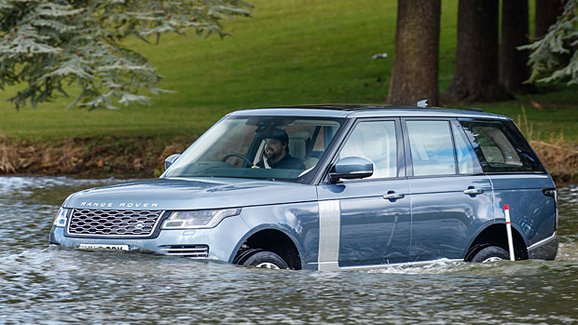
x=265, y=259
x=491, y=254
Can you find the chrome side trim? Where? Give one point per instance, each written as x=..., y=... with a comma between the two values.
x=382, y=266
x=542, y=242
x=329, y=233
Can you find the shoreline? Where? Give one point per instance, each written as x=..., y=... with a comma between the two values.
x=99, y=157
x=143, y=157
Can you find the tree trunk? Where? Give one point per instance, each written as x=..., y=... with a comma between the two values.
x=415, y=64
x=546, y=13
x=476, y=73
x=513, y=63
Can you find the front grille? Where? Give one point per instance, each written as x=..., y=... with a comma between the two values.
x=194, y=251
x=113, y=223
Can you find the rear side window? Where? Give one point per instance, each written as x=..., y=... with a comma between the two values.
x=500, y=147
x=432, y=150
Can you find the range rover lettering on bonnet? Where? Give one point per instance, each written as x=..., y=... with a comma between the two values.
x=119, y=205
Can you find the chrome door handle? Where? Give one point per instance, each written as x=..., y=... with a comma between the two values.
x=473, y=191
x=391, y=195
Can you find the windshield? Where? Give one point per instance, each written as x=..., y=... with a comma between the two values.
x=261, y=147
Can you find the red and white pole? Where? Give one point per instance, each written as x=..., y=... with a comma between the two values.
x=509, y=231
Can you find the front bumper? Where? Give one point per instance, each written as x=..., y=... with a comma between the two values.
x=545, y=249
x=219, y=242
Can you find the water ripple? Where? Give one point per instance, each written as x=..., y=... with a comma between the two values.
x=48, y=285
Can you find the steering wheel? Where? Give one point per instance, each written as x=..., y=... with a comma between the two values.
x=248, y=163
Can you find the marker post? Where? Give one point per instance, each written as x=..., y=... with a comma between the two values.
x=509, y=232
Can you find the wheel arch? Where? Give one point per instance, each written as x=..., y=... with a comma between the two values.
x=272, y=238
x=495, y=235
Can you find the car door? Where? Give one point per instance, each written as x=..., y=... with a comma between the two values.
x=367, y=221
x=451, y=197
x=518, y=178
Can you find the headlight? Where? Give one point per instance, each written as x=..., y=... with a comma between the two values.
x=60, y=220
x=198, y=219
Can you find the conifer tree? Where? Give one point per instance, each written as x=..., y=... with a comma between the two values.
x=51, y=45
x=554, y=58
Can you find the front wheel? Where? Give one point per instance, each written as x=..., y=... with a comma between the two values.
x=264, y=259
x=491, y=254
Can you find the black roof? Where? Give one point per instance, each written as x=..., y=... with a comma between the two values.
x=361, y=110
x=357, y=107
x=344, y=107
x=341, y=107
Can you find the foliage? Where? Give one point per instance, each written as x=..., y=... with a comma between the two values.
x=555, y=57
x=50, y=45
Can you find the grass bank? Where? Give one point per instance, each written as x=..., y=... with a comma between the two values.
x=136, y=157
x=101, y=157
x=291, y=52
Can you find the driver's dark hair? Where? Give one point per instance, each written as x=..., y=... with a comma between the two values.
x=286, y=142
x=278, y=134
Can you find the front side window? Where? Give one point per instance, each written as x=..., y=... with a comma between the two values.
x=377, y=142
x=500, y=147
x=260, y=147
x=432, y=150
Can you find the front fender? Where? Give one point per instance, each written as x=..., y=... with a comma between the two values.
x=298, y=221
x=282, y=229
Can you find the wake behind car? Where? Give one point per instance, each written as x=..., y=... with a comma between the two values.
x=331, y=187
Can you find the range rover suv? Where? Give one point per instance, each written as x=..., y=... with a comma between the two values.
x=332, y=187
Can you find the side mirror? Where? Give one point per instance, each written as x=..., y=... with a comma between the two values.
x=351, y=168
x=171, y=159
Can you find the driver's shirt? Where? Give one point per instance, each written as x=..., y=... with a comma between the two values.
x=287, y=162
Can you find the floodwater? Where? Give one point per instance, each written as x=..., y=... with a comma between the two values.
x=42, y=285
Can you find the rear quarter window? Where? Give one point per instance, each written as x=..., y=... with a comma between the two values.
x=500, y=147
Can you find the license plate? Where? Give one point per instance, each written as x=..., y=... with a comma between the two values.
x=104, y=246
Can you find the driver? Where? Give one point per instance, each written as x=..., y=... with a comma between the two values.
x=276, y=152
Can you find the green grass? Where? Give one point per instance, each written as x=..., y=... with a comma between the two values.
x=554, y=115
x=290, y=52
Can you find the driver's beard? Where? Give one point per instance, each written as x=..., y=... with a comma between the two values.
x=272, y=155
